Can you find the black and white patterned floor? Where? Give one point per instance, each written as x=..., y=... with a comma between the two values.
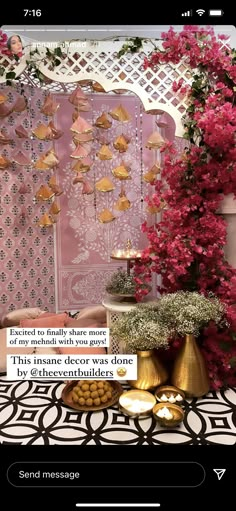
x=32, y=412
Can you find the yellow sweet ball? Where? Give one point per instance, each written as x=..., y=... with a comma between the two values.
x=80, y=383
x=81, y=401
x=104, y=399
x=87, y=394
x=75, y=397
x=80, y=393
x=101, y=392
x=97, y=401
x=85, y=386
x=93, y=387
x=100, y=384
x=108, y=394
x=89, y=402
x=94, y=394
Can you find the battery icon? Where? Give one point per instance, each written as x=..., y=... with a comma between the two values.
x=216, y=12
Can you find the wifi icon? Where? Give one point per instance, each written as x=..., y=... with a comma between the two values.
x=200, y=12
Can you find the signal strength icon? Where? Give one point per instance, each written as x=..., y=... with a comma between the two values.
x=186, y=13
x=200, y=12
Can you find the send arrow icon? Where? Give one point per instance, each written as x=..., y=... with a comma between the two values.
x=219, y=472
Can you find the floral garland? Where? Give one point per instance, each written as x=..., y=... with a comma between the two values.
x=186, y=247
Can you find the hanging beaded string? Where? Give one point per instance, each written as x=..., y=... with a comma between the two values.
x=29, y=112
x=141, y=157
x=94, y=159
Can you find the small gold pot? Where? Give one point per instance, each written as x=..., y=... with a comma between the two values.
x=137, y=403
x=168, y=414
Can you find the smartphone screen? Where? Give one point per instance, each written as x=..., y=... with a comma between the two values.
x=117, y=182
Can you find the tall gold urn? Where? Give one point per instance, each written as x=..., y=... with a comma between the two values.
x=151, y=373
x=190, y=372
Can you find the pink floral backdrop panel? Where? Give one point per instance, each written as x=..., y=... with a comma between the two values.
x=26, y=250
x=83, y=243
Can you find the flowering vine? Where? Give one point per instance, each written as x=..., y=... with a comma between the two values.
x=187, y=247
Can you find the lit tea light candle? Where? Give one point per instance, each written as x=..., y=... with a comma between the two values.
x=170, y=415
x=179, y=398
x=169, y=394
x=137, y=403
x=164, y=397
x=164, y=413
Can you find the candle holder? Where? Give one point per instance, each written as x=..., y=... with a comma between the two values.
x=122, y=284
x=126, y=254
x=168, y=414
x=137, y=403
x=169, y=394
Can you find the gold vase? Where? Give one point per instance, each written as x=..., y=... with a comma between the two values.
x=190, y=372
x=151, y=373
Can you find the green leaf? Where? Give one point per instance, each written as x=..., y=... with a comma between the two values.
x=11, y=75
x=225, y=346
x=232, y=362
x=58, y=52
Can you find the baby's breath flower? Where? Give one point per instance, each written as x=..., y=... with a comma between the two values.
x=141, y=329
x=187, y=313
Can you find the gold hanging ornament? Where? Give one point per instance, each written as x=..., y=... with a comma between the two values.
x=50, y=158
x=54, y=209
x=121, y=143
x=40, y=165
x=44, y=193
x=20, y=104
x=81, y=151
x=103, y=122
x=21, y=159
x=49, y=106
x=156, y=209
x=45, y=221
x=87, y=188
x=106, y=216
x=54, y=186
x=4, y=163
x=21, y=132
x=4, y=139
x=121, y=172
x=105, y=185
x=104, y=153
x=81, y=126
x=78, y=179
x=81, y=138
x=83, y=165
x=3, y=98
x=151, y=175
x=41, y=132
x=77, y=96
x=123, y=202
x=120, y=114
x=5, y=110
x=155, y=141
x=54, y=132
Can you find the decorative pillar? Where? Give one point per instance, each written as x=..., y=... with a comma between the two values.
x=228, y=211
